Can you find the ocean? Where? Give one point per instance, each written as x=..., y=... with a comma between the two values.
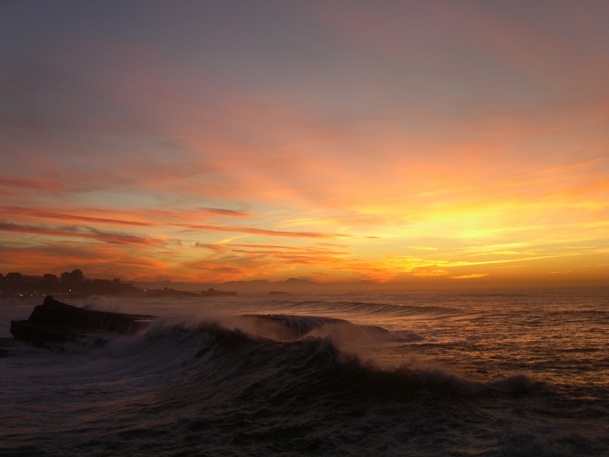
x=521, y=372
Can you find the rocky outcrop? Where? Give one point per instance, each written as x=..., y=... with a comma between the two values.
x=56, y=322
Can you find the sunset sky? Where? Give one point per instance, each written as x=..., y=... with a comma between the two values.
x=452, y=142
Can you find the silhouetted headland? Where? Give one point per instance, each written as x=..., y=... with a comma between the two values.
x=57, y=322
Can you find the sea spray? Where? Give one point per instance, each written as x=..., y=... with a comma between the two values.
x=258, y=376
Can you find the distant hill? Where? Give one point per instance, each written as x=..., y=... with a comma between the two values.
x=262, y=286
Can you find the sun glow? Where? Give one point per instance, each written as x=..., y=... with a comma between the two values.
x=408, y=156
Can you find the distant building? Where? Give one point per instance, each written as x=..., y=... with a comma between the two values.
x=72, y=278
x=15, y=284
x=50, y=279
x=14, y=277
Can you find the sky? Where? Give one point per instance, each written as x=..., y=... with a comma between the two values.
x=395, y=142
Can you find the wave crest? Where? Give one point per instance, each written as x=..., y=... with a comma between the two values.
x=286, y=351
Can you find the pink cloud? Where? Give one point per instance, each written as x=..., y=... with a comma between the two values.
x=44, y=214
x=42, y=185
x=73, y=231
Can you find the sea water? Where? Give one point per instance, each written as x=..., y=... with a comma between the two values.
x=452, y=373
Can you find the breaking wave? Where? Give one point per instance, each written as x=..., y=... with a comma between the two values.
x=292, y=382
x=296, y=352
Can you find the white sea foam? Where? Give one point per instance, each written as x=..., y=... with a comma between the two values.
x=500, y=375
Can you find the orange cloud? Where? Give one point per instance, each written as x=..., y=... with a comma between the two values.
x=475, y=155
x=217, y=248
x=470, y=276
x=263, y=232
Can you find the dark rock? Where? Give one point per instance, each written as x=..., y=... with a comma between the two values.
x=56, y=322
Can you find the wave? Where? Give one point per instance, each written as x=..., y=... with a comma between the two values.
x=285, y=384
x=374, y=308
x=324, y=353
x=232, y=381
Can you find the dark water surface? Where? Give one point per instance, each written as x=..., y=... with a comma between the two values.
x=483, y=373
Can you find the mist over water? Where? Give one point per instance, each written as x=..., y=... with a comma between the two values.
x=483, y=373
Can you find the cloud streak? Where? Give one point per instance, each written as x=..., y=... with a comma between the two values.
x=43, y=214
x=399, y=142
x=73, y=231
x=262, y=232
